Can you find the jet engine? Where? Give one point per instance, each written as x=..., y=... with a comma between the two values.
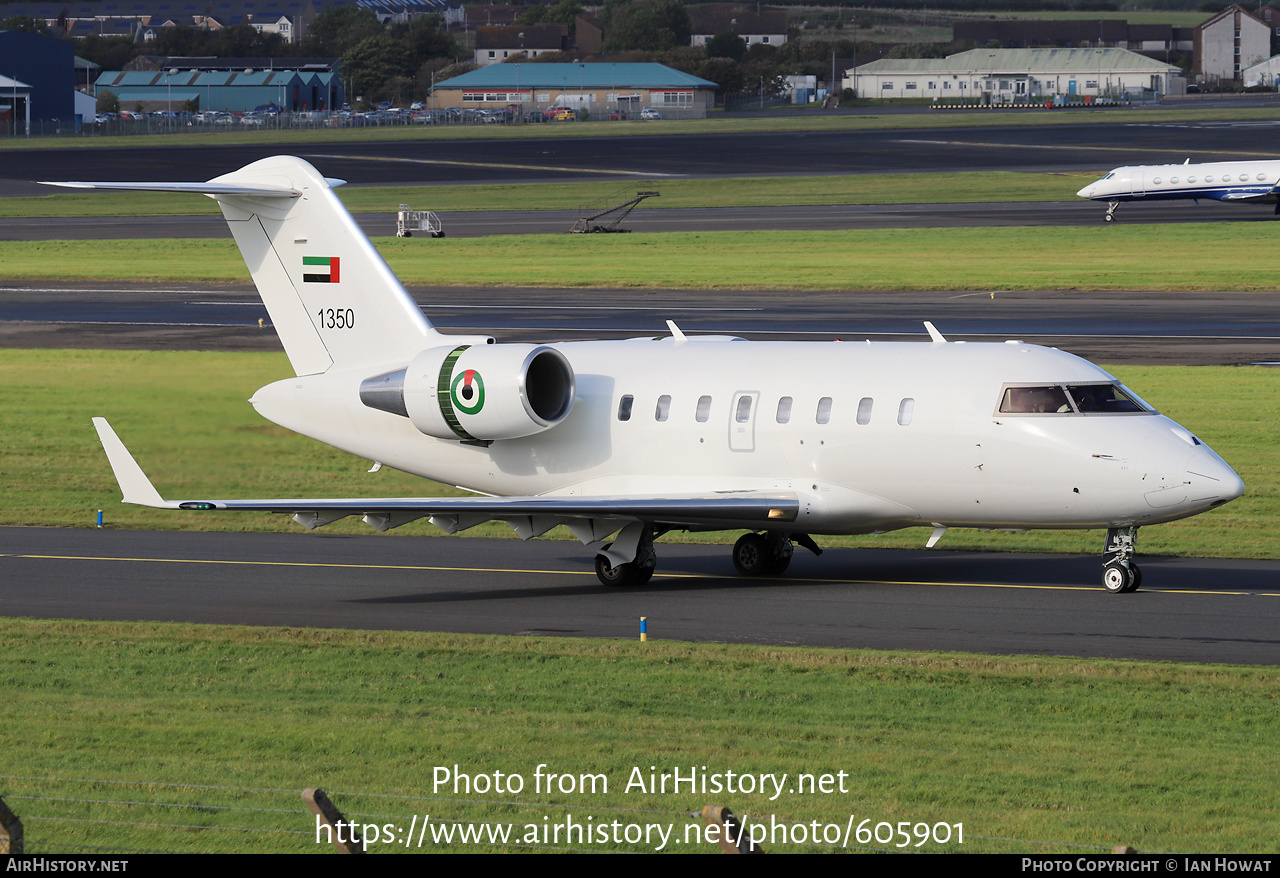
x=480, y=392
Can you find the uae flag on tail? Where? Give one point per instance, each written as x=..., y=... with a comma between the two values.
x=320, y=269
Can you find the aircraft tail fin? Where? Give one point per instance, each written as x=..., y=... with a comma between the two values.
x=332, y=298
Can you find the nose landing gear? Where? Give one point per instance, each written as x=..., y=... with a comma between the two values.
x=1119, y=572
x=1111, y=211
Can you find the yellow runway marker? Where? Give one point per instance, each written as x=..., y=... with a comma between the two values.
x=789, y=581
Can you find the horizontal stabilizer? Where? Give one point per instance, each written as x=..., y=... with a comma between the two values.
x=208, y=188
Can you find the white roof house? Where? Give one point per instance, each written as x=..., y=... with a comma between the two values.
x=1003, y=75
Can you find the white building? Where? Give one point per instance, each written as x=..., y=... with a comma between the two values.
x=1229, y=42
x=1263, y=73
x=1006, y=75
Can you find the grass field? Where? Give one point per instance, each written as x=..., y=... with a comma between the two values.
x=184, y=416
x=1190, y=256
x=1031, y=755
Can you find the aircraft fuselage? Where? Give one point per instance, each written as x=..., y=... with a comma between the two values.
x=870, y=437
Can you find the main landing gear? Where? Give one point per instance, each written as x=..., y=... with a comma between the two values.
x=1119, y=572
x=634, y=572
x=755, y=554
x=1111, y=211
x=768, y=554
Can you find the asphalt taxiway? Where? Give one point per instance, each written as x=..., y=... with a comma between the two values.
x=1187, y=609
x=1200, y=328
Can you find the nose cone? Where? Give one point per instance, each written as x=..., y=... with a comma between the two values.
x=1087, y=192
x=1210, y=481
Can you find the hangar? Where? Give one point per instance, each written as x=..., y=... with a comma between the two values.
x=600, y=87
x=1012, y=75
x=229, y=84
x=37, y=83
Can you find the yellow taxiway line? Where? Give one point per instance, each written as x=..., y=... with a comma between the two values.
x=659, y=575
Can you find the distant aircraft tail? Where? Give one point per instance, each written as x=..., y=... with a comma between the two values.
x=332, y=298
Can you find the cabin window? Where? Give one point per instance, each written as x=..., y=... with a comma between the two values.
x=824, y=410
x=1191, y=179
x=743, y=414
x=663, y=409
x=1208, y=178
x=1155, y=180
x=1173, y=179
x=1244, y=178
x=905, y=409
x=624, y=407
x=1261, y=176
x=864, y=410
x=784, y=410
x=1226, y=178
x=704, y=409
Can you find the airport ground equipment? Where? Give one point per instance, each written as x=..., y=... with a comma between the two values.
x=409, y=221
x=591, y=213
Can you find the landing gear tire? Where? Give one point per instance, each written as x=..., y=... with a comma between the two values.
x=1136, y=573
x=1118, y=579
x=1108, y=219
x=621, y=575
x=751, y=555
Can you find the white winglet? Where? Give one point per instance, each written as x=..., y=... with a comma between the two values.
x=134, y=484
x=679, y=336
x=933, y=332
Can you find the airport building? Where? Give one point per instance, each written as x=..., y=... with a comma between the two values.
x=1013, y=75
x=228, y=84
x=596, y=88
x=37, y=84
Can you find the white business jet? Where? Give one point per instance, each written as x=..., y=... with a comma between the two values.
x=1242, y=182
x=623, y=441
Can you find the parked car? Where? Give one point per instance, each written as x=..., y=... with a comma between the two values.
x=650, y=113
x=566, y=115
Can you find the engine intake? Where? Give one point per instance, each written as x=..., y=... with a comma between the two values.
x=481, y=392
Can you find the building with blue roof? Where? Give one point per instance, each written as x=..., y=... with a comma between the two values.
x=229, y=84
x=595, y=87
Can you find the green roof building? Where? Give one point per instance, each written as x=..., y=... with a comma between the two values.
x=600, y=88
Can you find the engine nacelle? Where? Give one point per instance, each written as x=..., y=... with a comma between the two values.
x=480, y=392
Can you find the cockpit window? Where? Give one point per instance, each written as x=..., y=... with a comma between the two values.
x=1109, y=176
x=1072, y=399
x=1034, y=400
x=1111, y=399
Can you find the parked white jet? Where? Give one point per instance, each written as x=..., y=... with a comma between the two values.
x=636, y=438
x=1244, y=182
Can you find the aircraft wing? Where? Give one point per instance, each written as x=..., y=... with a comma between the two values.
x=533, y=515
